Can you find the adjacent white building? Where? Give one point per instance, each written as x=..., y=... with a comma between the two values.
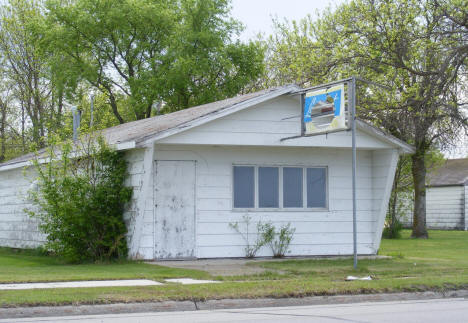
x=197, y=170
x=446, y=197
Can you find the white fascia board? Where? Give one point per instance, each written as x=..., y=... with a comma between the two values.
x=22, y=164
x=125, y=145
x=215, y=115
x=373, y=131
x=15, y=165
x=119, y=147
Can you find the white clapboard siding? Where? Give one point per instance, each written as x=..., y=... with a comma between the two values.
x=384, y=164
x=331, y=227
x=207, y=240
x=17, y=229
x=445, y=208
x=265, y=125
x=329, y=249
x=279, y=216
x=301, y=227
x=138, y=214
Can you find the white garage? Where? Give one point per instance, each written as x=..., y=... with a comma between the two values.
x=446, y=197
x=197, y=170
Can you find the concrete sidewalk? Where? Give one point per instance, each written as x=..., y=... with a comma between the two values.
x=104, y=283
x=170, y=306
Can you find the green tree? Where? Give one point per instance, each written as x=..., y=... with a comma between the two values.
x=418, y=49
x=203, y=64
x=147, y=52
x=25, y=71
x=403, y=189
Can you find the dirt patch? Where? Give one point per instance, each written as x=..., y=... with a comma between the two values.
x=237, y=266
x=216, y=267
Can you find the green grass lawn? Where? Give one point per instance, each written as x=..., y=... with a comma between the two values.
x=28, y=266
x=438, y=263
x=443, y=256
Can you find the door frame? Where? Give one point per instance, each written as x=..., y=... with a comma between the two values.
x=195, y=218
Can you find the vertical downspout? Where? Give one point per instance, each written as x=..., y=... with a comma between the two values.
x=76, y=121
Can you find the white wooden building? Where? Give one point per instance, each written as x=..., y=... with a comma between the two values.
x=197, y=170
x=446, y=197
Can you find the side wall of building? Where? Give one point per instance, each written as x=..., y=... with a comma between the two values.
x=139, y=212
x=445, y=208
x=17, y=229
x=384, y=164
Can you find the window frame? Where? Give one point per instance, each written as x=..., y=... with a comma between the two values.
x=281, y=207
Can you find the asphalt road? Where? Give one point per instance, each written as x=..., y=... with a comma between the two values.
x=435, y=310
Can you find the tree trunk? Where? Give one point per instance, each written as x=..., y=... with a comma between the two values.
x=419, y=178
x=58, y=121
x=113, y=104
x=2, y=131
x=394, y=201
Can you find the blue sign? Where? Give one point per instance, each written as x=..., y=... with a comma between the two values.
x=324, y=110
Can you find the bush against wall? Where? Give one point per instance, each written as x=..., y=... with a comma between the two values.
x=278, y=239
x=80, y=199
x=253, y=240
x=266, y=234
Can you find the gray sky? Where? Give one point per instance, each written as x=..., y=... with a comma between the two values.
x=257, y=14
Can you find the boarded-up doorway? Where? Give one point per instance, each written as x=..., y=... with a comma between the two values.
x=174, y=187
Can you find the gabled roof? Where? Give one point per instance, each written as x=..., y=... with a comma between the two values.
x=454, y=172
x=138, y=133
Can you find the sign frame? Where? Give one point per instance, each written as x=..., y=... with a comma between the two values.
x=339, y=89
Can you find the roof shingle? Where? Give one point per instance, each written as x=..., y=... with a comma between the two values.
x=453, y=172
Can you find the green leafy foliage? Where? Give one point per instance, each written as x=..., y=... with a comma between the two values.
x=251, y=248
x=278, y=239
x=148, y=52
x=392, y=230
x=267, y=234
x=80, y=199
x=400, y=206
x=141, y=58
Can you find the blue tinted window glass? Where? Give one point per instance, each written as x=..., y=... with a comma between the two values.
x=244, y=186
x=316, y=187
x=268, y=187
x=292, y=187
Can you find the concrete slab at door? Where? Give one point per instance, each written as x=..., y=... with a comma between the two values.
x=174, y=195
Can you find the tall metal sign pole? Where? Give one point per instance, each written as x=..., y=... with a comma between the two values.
x=318, y=106
x=352, y=102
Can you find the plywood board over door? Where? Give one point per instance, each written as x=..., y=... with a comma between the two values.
x=174, y=187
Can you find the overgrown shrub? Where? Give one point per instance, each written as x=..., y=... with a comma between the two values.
x=251, y=247
x=392, y=230
x=278, y=241
x=80, y=199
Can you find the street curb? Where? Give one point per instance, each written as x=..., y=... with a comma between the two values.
x=171, y=306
